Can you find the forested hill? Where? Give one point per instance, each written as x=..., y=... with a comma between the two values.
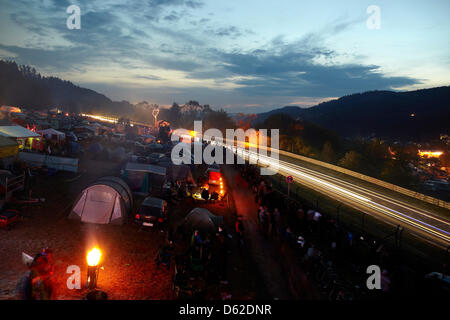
x=417, y=115
x=22, y=86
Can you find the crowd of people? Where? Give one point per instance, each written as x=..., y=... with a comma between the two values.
x=202, y=264
x=322, y=246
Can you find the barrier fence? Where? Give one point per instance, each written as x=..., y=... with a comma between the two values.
x=384, y=184
x=359, y=223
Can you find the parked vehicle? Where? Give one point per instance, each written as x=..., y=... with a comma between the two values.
x=8, y=218
x=152, y=212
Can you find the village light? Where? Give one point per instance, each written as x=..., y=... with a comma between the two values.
x=93, y=258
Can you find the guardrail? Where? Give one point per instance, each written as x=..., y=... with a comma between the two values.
x=387, y=185
x=381, y=183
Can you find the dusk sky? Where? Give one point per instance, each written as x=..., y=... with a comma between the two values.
x=248, y=56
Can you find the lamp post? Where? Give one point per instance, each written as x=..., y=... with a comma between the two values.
x=93, y=258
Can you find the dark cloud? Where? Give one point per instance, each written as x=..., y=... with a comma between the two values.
x=149, y=77
x=172, y=17
x=294, y=73
x=230, y=31
x=142, y=35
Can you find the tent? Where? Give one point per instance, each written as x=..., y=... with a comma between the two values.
x=75, y=147
x=141, y=177
x=118, y=154
x=51, y=133
x=96, y=148
x=202, y=220
x=17, y=132
x=108, y=200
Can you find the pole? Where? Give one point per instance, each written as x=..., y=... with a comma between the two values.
x=92, y=277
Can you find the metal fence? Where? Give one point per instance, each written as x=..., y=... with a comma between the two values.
x=361, y=224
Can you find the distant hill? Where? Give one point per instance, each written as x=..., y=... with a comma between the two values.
x=22, y=86
x=412, y=115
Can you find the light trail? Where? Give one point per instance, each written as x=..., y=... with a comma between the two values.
x=371, y=202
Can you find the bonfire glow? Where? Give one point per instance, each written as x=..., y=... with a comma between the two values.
x=93, y=257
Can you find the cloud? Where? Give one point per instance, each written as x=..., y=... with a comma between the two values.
x=159, y=35
x=292, y=69
x=149, y=77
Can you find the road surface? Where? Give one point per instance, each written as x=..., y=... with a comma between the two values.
x=423, y=223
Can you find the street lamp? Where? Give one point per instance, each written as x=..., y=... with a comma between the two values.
x=93, y=258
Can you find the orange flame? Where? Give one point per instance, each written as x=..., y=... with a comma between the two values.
x=93, y=257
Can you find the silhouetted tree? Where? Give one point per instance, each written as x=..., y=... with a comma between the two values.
x=351, y=160
x=327, y=153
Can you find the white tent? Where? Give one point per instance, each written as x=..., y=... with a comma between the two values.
x=49, y=133
x=109, y=200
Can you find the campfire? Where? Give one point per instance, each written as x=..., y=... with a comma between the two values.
x=93, y=259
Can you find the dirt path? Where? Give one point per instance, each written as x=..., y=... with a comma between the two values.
x=262, y=250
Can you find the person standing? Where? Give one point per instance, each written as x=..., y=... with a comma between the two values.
x=269, y=222
x=275, y=221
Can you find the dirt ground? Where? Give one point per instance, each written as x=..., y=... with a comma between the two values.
x=128, y=254
x=129, y=270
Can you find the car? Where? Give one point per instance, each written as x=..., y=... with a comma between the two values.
x=8, y=218
x=152, y=212
x=213, y=175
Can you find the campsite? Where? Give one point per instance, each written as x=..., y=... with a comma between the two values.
x=91, y=201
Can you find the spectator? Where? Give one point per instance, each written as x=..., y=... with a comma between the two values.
x=265, y=220
x=269, y=222
x=260, y=215
x=275, y=221
x=196, y=238
x=239, y=227
x=205, y=195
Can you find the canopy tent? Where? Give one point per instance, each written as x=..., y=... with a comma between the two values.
x=202, y=220
x=22, y=135
x=51, y=133
x=108, y=200
x=17, y=132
